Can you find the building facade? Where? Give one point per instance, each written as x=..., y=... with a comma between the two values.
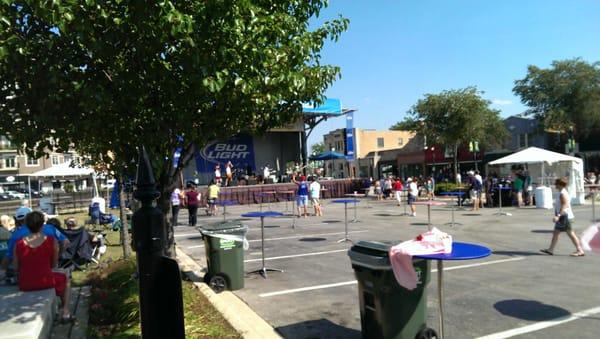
x=375, y=152
x=15, y=167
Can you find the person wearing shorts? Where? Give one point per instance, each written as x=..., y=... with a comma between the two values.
x=302, y=195
x=315, y=193
x=563, y=218
x=413, y=193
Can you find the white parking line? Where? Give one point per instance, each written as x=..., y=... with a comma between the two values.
x=304, y=289
x=293, y=237
x=541, y=325
x=352, y=282
x=307, y=236
x=297, y=255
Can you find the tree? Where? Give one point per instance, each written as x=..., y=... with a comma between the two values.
x=564, y=95
x=317, y=148
x=107, y=76
x=455, y=118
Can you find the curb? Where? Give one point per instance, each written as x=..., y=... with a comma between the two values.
x=239, y=315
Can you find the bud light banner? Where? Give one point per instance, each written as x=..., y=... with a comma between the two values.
x=349, y=136
x=239, y=150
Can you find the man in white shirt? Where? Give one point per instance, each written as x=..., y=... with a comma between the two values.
x=413, y=194
x=315, y=192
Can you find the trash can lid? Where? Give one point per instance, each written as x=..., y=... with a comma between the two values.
x=223, y=227
x=379, y=248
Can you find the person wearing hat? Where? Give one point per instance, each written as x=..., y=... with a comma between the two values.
x=22, y=231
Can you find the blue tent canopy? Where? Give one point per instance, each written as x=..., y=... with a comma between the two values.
x=332, y=107
x=329, y=155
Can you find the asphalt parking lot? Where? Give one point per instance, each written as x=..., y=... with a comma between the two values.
x=515, y=292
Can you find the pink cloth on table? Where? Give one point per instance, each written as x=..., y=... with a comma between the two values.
x=590, y=238
x=430, y=242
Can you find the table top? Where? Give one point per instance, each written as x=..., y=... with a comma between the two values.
x=287, y=192
x=460, y=251
x=355, y=195
x=262, y=214
x=267, y=192
x=346, y=201
x=429, y=202
x=225, y=202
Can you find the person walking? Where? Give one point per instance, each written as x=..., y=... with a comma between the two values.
x=176, y=197
x=413, y=194
x=387, y=188
x=398, y=188
x=302, y=195
x=212, y=196
x=563, y=220
x=192, y=200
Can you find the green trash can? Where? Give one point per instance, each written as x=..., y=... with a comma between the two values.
x=388, y=310
x=224, y=244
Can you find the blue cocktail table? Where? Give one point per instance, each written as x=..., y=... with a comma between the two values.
x=262, y=215
x=460, y=251
x=345, y=202
x=500, y=189
x=458, y=194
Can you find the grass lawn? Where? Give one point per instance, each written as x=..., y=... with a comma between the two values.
x=114, y=307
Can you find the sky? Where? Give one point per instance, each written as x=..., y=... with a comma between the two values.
x=396, y=51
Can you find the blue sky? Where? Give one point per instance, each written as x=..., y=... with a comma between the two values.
x=396, y=51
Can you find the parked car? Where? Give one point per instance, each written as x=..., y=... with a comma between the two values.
x=34, y=193
x=16, y=195
x=5, y=196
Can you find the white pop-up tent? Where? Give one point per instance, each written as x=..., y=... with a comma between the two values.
x=548, y=166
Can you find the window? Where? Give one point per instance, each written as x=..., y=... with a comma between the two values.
x=33, y=162
x=55, y=160
x=522, y=140
x=9, y=162
x=380, y=143
x=400, y=141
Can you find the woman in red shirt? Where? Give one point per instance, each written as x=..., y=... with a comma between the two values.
x=192, y=200
x=35, y=256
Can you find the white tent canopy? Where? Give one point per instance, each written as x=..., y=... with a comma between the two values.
x=550, y=165
x=534, y=155
x=63, y=170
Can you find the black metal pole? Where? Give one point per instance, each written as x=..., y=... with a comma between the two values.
x=161, y=302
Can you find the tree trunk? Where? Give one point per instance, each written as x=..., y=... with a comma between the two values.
x=455, y=159
x=164, y=204
x=125, y=239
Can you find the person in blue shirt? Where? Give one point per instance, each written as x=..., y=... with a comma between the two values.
x=302, y=195
x=22, y=230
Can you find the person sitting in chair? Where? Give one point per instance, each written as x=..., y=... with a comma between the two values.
x=34, y=257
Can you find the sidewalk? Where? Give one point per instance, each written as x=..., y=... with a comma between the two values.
x=80, y=309
x=241, y=317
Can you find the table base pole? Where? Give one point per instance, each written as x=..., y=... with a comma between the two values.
x=440, y=268
x=263, y=271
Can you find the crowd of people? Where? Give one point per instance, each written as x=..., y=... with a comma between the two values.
x=31, y=260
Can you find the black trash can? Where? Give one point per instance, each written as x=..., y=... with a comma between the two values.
x=224, y=244
x=388, y=310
